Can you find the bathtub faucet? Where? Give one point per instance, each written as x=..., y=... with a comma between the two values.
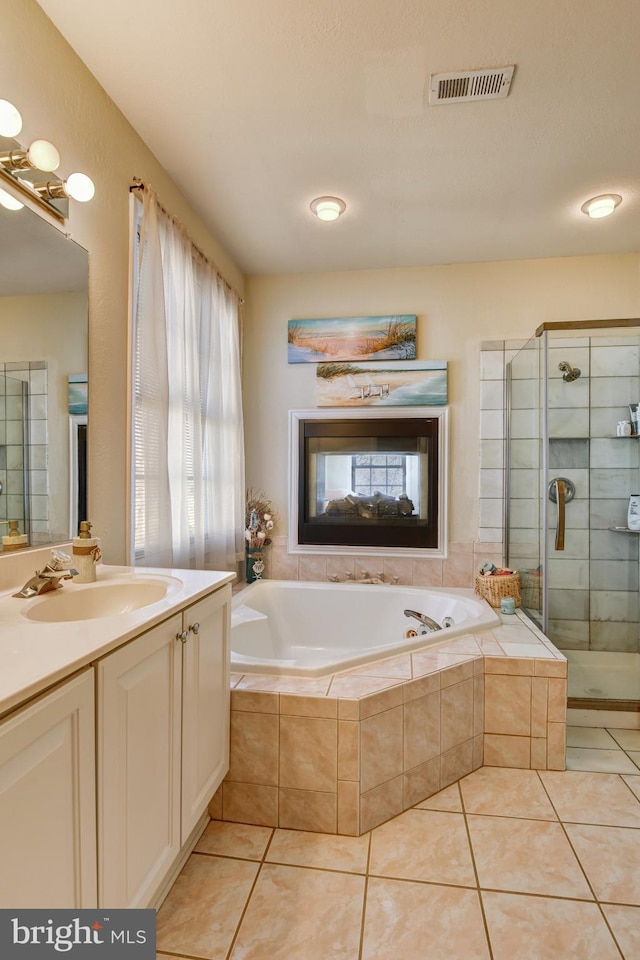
x=422, y=618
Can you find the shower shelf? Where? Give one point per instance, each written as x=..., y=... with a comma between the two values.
x=623, y=530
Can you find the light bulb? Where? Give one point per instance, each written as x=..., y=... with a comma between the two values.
x=10, y=120
x=9, y=202
x=602, y=206
x=43, y=156
x=79, y=187
x=328, y=208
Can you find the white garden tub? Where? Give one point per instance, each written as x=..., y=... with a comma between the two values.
x=296, y=628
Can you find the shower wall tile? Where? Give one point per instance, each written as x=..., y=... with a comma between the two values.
x=491, y=454
x=568, y=604
x=576, y=516
x=610, y=392
x=514, y=346
x=525, y=424
x=14, y=408
x=565, y=453
x=608, y=545
x=618, y=361
x=38, y=431
x=491, y=483
x=492, y=395
x=491, y=364
x=617, y=341
x=610, y=484
x=524, y=394
x=576, y=544
x=524, y=484
x=524, y=513
x=616, y=637
x=614, y=452
x=565, y=422
x=490, y=534
x=615, y=574
x=614, y=605
x=570, y=634
x=573, y=574
x=14, y=431
x=491, y=512
x=608, y=513
x=491, y=345
x=526, y=453
x=574, y=395
x=491, y=424
x=38, y=381
x=528, y=366
x=604, y=420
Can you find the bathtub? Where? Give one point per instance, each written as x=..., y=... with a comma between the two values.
x=297, y=628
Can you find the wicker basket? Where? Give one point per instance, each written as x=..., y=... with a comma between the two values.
x=493, y=589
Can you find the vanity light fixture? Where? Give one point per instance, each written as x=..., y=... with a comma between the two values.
x=10, y=120
x=22, y=166
x=78, y=186
x=9, y=202
x=41, y=155
x=328, y=208
x=602, y=206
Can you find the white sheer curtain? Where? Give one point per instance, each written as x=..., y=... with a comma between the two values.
x=188, y=447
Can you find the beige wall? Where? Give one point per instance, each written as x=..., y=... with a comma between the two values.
x=457, y=307
x=60, y=100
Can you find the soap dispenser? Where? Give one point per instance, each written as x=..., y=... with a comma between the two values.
x=13, y=540
x=86, y=554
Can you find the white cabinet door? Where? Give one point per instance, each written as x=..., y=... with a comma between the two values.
x=205, y=704
x=47, y=800
x=139, y=765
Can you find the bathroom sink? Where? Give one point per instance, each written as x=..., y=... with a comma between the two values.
x=92, y=602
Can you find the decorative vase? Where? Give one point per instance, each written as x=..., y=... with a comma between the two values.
x=254, y=563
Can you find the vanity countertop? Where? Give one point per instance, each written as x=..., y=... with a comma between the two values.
x=35, y=654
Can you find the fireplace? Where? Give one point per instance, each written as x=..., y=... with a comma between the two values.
x=368, y=481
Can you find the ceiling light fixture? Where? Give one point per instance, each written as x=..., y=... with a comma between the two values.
x=602, y=206
x=9, y=202
x=328, y=208
x=10, y=120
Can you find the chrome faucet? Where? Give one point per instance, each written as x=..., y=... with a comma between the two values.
x=422, y=618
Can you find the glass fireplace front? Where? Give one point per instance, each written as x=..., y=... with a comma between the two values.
x=368, y=482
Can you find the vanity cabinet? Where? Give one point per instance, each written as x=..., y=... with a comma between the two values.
x=163, y=746
x=47, y=800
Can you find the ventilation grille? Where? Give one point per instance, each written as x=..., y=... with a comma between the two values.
x=470, y=85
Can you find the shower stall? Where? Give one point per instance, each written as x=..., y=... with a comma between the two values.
x=569, y=476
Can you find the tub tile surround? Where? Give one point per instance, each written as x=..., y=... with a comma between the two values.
x=347, y=752
x=457, y=570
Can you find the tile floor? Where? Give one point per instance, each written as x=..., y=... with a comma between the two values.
x=504, y=865
x=604, y=750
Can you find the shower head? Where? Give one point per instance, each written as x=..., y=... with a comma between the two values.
x=570, y=373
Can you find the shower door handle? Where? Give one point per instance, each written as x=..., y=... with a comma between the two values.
x=561, y=491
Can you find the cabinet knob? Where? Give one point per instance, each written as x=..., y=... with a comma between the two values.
x=195, y=627
x=184, y=636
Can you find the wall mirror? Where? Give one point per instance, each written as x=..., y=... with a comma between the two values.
x=43, y=378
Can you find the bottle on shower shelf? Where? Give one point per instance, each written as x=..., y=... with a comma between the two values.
x=633, y=514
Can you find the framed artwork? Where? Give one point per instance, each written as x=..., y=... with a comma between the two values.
x=395, y=383
x=352, y=338
x=78, y=393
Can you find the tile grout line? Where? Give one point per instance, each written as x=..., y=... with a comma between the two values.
x=475, y=873
x=589, y=884
x=249, y=896
x=364, y=897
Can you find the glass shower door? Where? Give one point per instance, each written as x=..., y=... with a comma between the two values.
x=14, y=501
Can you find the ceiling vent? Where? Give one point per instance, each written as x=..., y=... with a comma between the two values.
x=470, y=85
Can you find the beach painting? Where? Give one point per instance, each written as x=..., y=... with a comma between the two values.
x=397, y=383
x=352, y=338
x=78, y=393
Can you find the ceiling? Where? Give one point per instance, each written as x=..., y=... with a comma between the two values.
x=255, y=107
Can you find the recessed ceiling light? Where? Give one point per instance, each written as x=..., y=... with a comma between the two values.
x=328, y=208
x=601, y=206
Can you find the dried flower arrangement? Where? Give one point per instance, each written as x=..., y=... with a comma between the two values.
x=259, y=520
